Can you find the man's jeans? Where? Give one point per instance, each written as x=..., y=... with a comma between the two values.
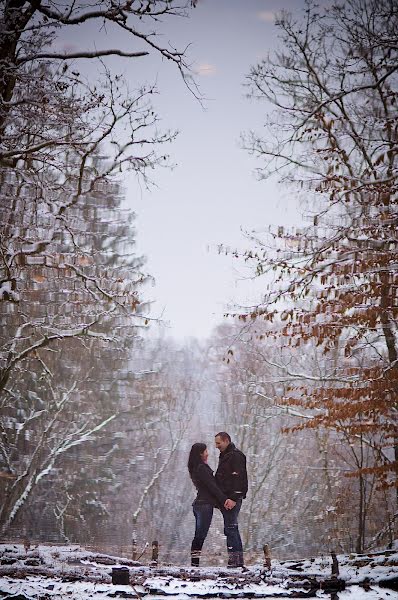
x=231, y=530
x=203, y=516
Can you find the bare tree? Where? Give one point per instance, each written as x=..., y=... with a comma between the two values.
x=332, y=133
x=54, y=122
x=70, y=283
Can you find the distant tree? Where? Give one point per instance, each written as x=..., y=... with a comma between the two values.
x=73, y=332
x=123, y=482
x=284, y=501
x=334, y=135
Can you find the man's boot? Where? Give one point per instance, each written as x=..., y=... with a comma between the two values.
x=239, y=559
x=231, y=560
x=235, y=559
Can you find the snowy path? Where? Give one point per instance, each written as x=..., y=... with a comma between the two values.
x=55, y=572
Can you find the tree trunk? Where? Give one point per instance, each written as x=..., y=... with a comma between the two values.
x=361, y=523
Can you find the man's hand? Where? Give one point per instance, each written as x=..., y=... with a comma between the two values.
x=228, y=504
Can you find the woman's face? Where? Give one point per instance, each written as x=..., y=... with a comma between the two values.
x=204, y=455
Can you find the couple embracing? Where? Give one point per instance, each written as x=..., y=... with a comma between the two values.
x=224, y=490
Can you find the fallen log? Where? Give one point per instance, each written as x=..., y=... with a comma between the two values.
x=329, y=585
x=391, y=584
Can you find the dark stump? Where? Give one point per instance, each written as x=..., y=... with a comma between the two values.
x=120, y=576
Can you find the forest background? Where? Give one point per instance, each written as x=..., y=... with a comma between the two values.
x=97, y=415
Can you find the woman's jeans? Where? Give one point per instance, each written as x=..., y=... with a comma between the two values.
x=231, y=531
x=203, y=516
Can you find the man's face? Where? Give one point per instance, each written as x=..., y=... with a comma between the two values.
x=221, y=444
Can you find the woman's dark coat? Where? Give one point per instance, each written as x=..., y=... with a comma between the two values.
x=208, y=490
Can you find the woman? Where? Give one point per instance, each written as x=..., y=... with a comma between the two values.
x=209, y=495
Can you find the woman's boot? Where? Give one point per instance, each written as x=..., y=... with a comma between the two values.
x=195, y=556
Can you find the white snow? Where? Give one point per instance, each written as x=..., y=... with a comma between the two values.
x=7, y=291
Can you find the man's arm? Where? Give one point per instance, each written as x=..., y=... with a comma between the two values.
x=239, y=474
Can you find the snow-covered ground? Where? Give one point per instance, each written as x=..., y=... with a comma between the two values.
x=35, y=588
x=55, y=572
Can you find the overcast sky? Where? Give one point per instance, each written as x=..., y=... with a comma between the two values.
x=212, y=193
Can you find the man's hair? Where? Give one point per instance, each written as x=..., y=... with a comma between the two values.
x=224, y=436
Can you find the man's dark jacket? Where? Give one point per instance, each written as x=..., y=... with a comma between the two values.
x=231, y=475
x=208, y=490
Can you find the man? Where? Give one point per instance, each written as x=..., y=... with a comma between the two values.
x=231, y=478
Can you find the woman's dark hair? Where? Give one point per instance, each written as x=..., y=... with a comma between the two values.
x=194, y=456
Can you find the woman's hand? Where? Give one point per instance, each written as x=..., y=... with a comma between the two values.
x=228, y=504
